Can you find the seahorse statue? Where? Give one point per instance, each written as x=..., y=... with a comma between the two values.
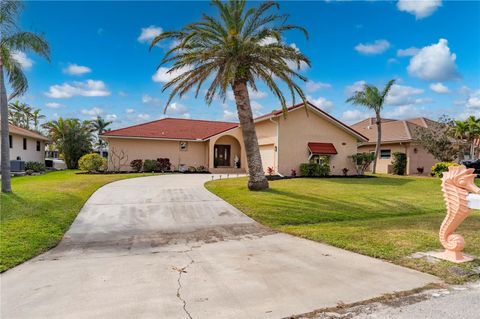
x=457, y=183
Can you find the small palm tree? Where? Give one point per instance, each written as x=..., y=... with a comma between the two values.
x=36, y=117
x=241, y=47
x=373, y=99
x=100, y=126
x=12, y=40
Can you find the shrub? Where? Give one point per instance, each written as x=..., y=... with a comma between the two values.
x=361, y=161
x=192, y=169
x=314, y=169
x=150, y=165
x=136, y=165
x=92, y=163
x=270, y=171
x=293, y=172
x=164, y=164
x=399, y=163
x=202, y=169
x=34, y=166
x=440, y=167
x=345, y=171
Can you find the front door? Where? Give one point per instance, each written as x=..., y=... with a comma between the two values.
x=222, y=155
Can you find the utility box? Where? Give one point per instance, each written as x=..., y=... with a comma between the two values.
x=17, y=166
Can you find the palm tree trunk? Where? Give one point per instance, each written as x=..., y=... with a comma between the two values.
x=257, y=180
x=379, y=140
x=5, y=144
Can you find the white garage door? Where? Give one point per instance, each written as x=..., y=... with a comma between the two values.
x=267, y=153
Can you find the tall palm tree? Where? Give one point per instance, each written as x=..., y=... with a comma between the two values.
x=373, y=99
x=234, y=51
x=36, y=117
x=467, y=131
x=100, y=126
x=12, y=41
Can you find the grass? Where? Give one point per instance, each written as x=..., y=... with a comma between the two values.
x=41, y=209
x=387, y=217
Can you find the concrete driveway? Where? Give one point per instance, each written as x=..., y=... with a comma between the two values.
x=164, y=247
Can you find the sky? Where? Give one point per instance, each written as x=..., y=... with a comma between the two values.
x=101, y=65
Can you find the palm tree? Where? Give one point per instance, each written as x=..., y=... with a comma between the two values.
x=36, y=116
x=373, y=99
x=100, y=125
x=241, y=47
x=467, y=131
x=72, y=137
x=12, y=41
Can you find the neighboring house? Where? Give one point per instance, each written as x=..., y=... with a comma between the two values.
x=397, y=136
x=26, y=145
x=285, y=141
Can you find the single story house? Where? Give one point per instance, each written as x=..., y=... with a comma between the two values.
x=397, y=136
x=26, y=145
x=285, y=142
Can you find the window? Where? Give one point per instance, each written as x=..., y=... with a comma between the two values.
x=38, y=146
x=183, y=146
x=10, y=141
x=24, y=143
x=385, y=154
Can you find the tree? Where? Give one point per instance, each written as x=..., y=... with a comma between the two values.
x=22, y=115
x=466, y=132
x=36, y=116
x=99, y=125
x=372, y=98
x=437, y=139
x=235, y=51
x=12, y=41
x=72, y=137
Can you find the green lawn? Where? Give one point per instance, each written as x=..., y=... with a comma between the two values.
x=387, y=217
x=41, y=209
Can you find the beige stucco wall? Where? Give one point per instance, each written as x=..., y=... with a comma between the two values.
x=233, y=138
x=268, y=142
x=419, y=159
x=31, y=153
x=195, y=155
x=298, y=129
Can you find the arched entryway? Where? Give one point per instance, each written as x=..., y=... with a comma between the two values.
x=227, y=152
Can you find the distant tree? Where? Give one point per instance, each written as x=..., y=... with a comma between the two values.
x=243, y=46
x=36, y=117
x=437, y=139
x=12, y=41
x=100, y=126
x=467, y=132
x=72, y=137
x=373, y=99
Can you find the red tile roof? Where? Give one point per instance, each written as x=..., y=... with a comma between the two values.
x=322, y=148
x=172, y=128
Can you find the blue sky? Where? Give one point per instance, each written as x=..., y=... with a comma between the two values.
x=101, y=64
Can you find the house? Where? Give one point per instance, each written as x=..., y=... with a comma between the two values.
x=397, y=136
x=302, y=135
x=26, y=145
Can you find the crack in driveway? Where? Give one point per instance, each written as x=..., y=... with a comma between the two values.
x=181, y=271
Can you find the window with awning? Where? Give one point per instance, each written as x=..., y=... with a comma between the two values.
x=322, y=148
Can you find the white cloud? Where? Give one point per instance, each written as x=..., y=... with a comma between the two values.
x=149, y=33
x=122, y=93
x=75, y=69
x=253, y=95
x=402, y=95
x=230, y=116
x=321, y=102
x=93, y=112
x=392, y=61
x=268, y=40
x=148, y=99
x=87, y=88
x=143, y=117
x=353, y=116
x=434, y=63
x=405, y=111
x=111, y=117
x=419, y=8
x=377, y=47
x=162, y=75
x=473, y=100
x=439, y=88
x=357, y=86
x=177, y=109
x=25, y=62
x=53, y=105
x=129, y=111
x=407, y=52
x=313, y=86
